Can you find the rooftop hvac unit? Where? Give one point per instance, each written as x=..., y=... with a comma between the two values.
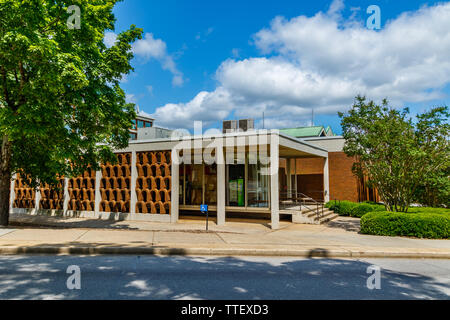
x=246, y=125
x=229, y=126
x=238, y=125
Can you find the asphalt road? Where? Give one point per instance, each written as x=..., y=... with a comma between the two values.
x=176, y=277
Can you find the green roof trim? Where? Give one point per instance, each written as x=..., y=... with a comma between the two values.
x=303, y=132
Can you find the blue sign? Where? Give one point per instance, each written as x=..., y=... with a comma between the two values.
x=204, y=208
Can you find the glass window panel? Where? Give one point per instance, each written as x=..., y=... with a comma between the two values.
x=140, y=124
x=258, y=185
x=194, y=185
x=211, y=185
x=236, y=185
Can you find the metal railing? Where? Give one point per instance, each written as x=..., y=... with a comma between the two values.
x=291, y=200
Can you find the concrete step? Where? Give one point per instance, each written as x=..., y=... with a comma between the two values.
x=309, y=216
x=313, y=213
x=327, y=218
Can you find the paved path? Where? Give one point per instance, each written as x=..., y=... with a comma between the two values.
x=153, y=277
x=337, y=239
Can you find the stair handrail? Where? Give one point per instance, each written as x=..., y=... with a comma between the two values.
x=319, y=205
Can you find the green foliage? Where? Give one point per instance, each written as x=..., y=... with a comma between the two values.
x=61, y=105
x=352, y=209
x=428, y=223
x=397, y=154
x=362, y=208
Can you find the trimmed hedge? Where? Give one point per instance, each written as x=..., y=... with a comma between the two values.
x=424, y=224
x=353, y=209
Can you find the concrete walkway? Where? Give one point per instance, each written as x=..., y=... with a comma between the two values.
x=340, y=238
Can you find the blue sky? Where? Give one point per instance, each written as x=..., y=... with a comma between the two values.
x=210, y=60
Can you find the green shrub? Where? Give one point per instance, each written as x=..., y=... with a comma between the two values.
x=425, y=224
x=352, y=209
x=362, y=208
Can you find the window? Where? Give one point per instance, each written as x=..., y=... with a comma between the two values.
x=140, y=124
x=133, y=136
x=236, y=185
x=134, y=124
x=258, y=185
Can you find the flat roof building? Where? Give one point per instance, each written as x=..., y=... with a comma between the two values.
x=258, y=173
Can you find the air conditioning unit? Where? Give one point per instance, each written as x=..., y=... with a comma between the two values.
x=242, y=125
x=229, y=126
x=246, y=125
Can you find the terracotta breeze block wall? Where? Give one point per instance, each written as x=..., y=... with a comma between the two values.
x=343, y=184
x=52, y=197
x=25, y=196
x=153, y=182
x=82, y=192
x=115, y=185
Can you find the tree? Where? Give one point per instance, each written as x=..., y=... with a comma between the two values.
x=396, y=154
x=433, y=132
x=61, y=106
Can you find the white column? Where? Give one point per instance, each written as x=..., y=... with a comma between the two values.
x=175, y=186
x=66, y=196
x=326, y=181
x=221, y=182
x=37, y=199
x=133, y=196
x=274, y=189
x=295, y=177
x=288, y=178
x=98, y=195
x=12, y=194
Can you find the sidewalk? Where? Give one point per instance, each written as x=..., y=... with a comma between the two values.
x=340, y=238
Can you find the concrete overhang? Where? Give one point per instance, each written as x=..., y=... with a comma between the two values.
x=288, y=146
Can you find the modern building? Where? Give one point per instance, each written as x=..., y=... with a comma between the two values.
x=143, y=120
x=257, y=173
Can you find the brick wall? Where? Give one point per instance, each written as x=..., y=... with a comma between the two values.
x=343, y=184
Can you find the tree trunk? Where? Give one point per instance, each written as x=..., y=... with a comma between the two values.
x=5, y=180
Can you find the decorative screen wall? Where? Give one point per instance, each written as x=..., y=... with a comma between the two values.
x=52, y=197
x=25, y=195
x=115, y=185
x=153, y=182
x=82, y=192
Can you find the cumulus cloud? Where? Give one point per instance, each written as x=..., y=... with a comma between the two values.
x=151, y=48
x=321, y=63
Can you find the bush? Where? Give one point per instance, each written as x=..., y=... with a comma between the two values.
x=352, y=209
x=427, y=223
x=362, y=208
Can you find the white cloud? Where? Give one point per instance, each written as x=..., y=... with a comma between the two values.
x=321, y=63
x=151, y=48
x=109, y=39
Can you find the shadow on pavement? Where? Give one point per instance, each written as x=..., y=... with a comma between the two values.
x=183, y=277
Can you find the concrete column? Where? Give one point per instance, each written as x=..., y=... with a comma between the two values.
x=326, y=181
x=221, y=183
x=12, y=194
x=288, y=177
x=98, y=195
x=134, y=174
x=175, y=186
x=66, y=196
x=274, y=189
x=295, y=177
x=37, y=199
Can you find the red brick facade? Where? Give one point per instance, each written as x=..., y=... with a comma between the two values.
x=343, y=184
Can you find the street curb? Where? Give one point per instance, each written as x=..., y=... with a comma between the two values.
x=179, y=251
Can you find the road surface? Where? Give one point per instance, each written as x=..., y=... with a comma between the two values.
x=181, y=277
